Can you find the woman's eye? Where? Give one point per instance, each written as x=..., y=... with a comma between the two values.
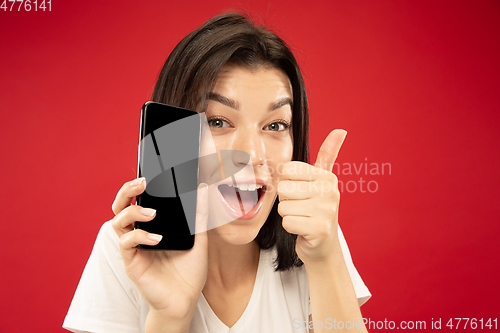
x=218, y=123
x=277, y=126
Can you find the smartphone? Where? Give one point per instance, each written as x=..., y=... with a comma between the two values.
x=168, y=158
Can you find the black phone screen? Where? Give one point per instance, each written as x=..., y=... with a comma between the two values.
x=168, y=159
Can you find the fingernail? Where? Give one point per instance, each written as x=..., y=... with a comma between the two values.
x=154, y=237
x=147, y=211
x=137, y=181
x=203, y=185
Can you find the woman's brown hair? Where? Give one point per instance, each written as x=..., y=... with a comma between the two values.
x=190, y=73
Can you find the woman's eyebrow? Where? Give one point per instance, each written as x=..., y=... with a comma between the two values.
x=234, y=105
x=280, y=103
x=223, y=100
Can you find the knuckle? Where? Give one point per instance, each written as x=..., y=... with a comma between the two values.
x=286, y=222
x=114, y=208
x=282, y=208
x=122, y=242
x=324, y=230
x=123, y=213
x=129, y=238
x=129, y=215
x=125, y=185
x=115, y=223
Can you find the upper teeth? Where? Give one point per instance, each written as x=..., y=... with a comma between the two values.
x=246, y=187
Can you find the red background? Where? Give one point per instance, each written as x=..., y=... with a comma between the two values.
x=415, y=83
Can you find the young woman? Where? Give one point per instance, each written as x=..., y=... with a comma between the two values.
x=282, y=267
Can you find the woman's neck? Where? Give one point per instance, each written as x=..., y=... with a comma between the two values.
x=231, y=265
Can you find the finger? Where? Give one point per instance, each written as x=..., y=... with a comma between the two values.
x=295, y=208
x=307, y=227
x=295, y=190
x=330, y=149
x=201, y=212
x=130, y=240
x=301, y=190
x=298, y=225
x=300, y=171
x=124, y=221
x=126, y=193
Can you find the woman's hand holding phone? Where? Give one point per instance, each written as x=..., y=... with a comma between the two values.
x=170, y=281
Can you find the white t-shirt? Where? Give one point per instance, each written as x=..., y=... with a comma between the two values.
x=106, y=300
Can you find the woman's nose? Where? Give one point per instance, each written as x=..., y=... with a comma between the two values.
x=253, y=147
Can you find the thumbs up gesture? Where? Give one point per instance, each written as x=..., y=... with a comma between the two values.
x=309, y=202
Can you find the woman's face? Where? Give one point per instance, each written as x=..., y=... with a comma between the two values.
x=249, y=110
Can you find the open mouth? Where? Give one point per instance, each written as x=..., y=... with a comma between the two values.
x=243, y=199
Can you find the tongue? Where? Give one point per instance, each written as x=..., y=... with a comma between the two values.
x=240, y=201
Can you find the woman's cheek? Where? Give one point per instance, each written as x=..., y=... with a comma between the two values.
x=221, y=141
x=281, y=152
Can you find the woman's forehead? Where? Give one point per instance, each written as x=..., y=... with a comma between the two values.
x=234, y=79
